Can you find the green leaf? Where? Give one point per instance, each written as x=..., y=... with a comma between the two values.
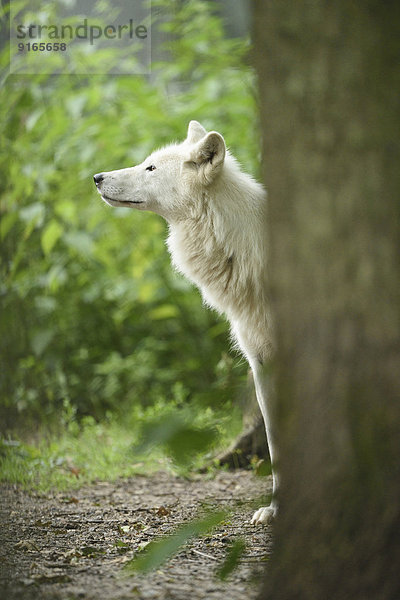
x=33, y=215
x=232, y=559
x=263, y=468
x=156, y=553
x=6, y=223
x=165, y=311
x=189, y=441
x=50, y=236
x=180, y=440
x=33, y=118
x=41, y=340
x=80, y=241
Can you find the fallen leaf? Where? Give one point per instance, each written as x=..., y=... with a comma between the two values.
x=124, y=528
x=74, y=471
x=40, y=523
x=162, y=511
x=26, y=545
x=52, y=578
x=70, y=500
x=71, y=555
x=92, y=551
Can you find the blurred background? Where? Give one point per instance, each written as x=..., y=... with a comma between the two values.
x=99, y=336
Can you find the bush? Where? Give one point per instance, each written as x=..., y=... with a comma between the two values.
x=91, y=311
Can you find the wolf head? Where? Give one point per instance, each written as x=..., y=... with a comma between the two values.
x=170, y=179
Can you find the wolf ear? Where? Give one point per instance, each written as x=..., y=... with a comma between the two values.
x=208, y=156
x=195, y=132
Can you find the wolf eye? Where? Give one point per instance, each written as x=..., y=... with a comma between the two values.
x=150, y=168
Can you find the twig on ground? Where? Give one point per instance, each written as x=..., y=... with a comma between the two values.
x=204, y=554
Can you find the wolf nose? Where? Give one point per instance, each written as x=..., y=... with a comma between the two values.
x=98, y=178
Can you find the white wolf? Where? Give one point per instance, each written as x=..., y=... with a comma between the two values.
x=217, y=226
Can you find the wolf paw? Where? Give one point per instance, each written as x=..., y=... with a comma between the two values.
x=264, y=515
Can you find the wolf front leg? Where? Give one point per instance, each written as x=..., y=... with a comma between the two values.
x=266, y=514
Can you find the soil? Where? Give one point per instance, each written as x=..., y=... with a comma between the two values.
x=76, y=546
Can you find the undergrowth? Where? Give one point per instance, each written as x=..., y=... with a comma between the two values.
x=73, y=453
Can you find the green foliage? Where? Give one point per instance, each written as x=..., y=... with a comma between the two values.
x=79, y=454
x=232, y=558
x=156, y=553
x=91, y=312
x=174, y=431
x=84, y=450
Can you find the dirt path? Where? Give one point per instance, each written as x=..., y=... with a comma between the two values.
x=75, y=546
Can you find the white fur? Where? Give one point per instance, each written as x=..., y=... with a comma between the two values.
x=217, y=238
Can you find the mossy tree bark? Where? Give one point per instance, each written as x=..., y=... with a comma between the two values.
x=329, y=92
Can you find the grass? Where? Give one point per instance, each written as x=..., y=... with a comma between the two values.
x=82, y=452
x=66, y=461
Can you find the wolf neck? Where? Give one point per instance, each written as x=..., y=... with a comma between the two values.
x=221, y=246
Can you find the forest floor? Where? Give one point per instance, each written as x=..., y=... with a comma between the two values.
x=62, y=546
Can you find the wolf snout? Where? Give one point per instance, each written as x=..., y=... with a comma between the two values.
x=98, y=178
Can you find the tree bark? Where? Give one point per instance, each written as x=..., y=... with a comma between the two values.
x=251, y=444
x=329, y=90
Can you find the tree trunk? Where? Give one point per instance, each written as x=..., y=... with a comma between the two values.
x=250, y=446
x=329, y=90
